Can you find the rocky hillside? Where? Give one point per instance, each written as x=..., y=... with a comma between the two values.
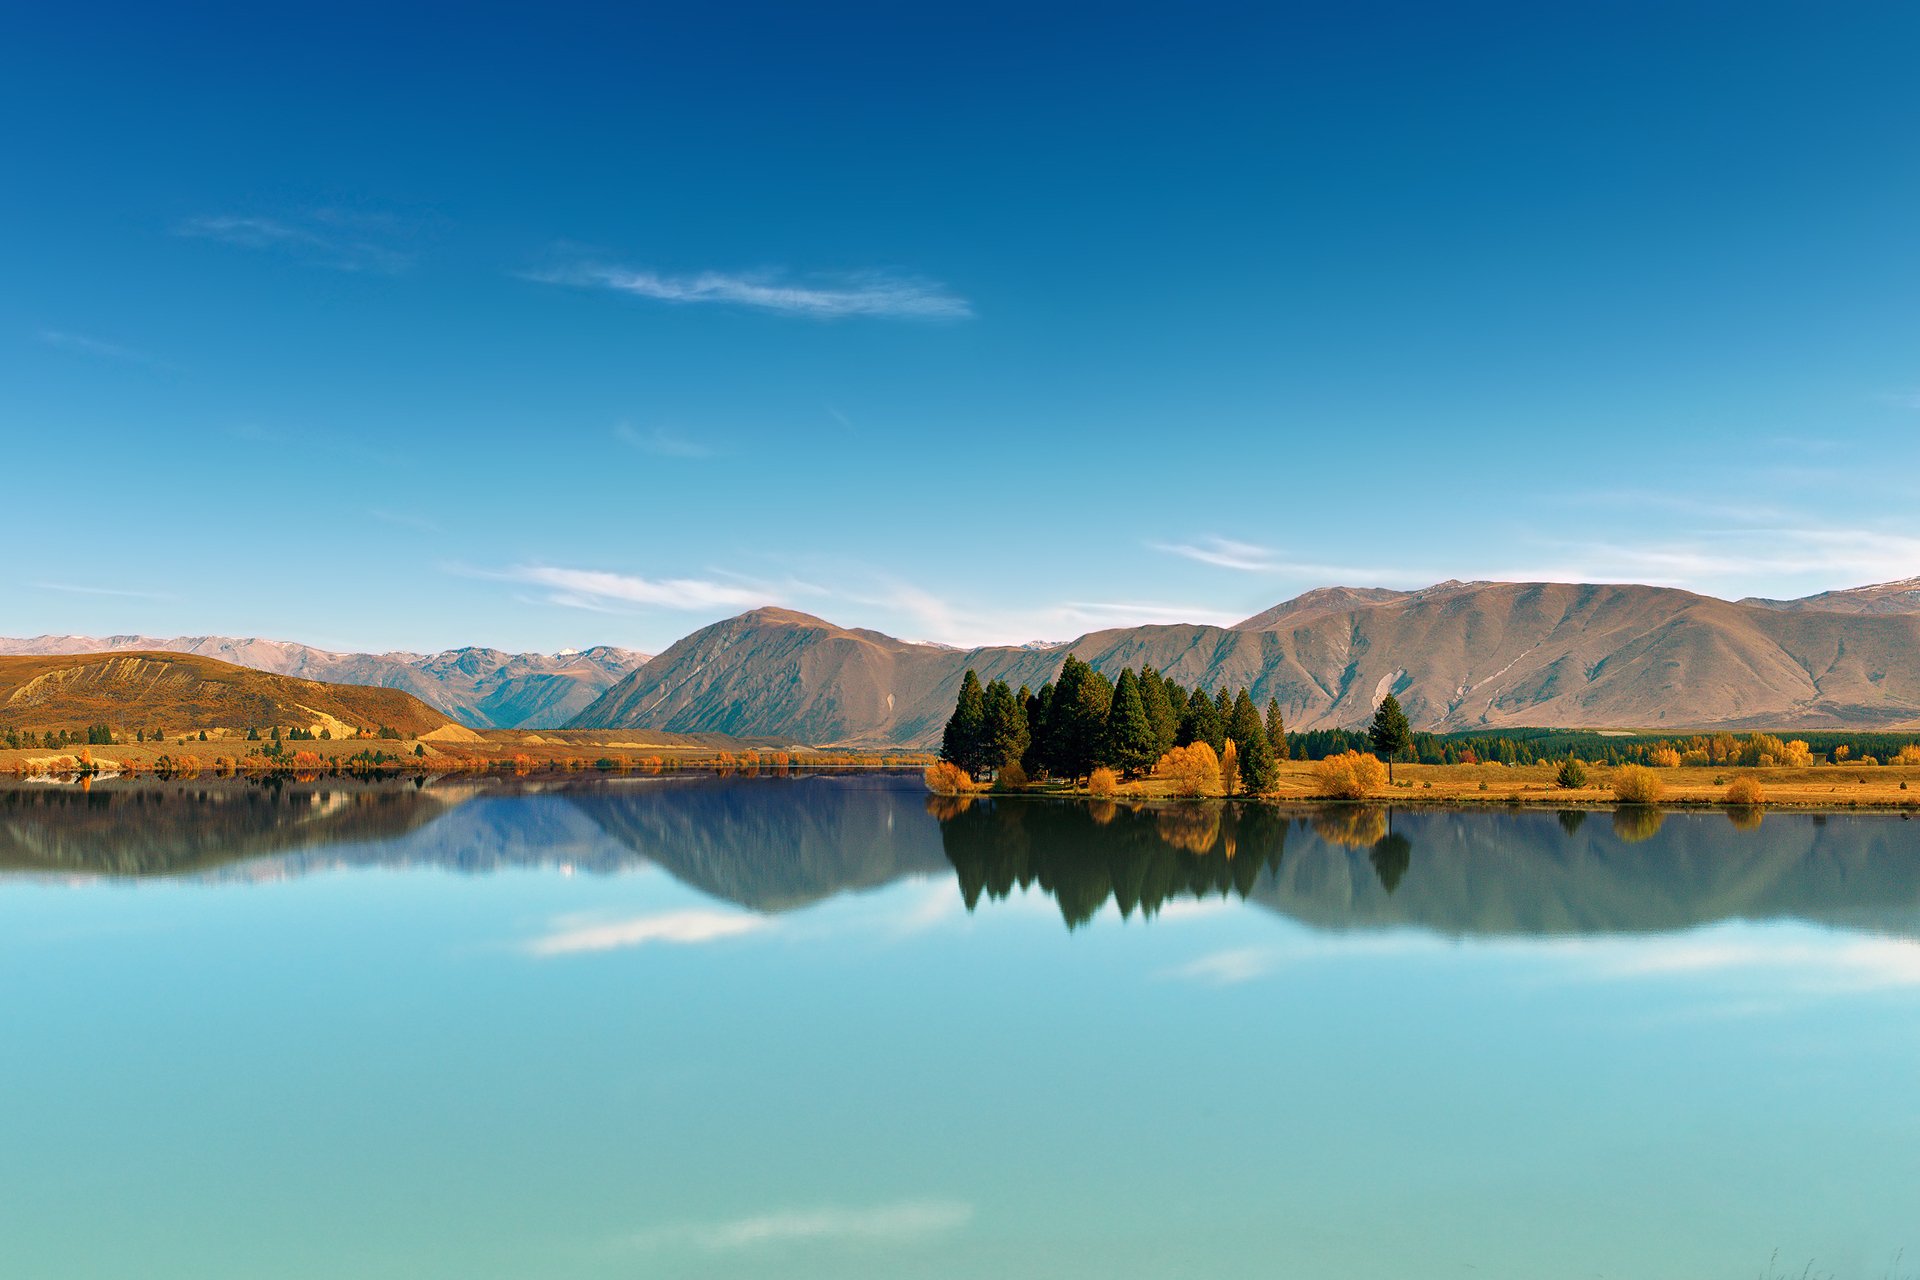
x=482, y=688
x=1458, y=655
x=182, y=693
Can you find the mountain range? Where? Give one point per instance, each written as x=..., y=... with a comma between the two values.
x=481, y=688
x=1458, y=655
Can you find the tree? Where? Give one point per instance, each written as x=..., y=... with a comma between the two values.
x=1202, y=723
x=1003, y=734
x=1389, y=733
x=1128, y=742
x=1257, y=769
x=960, y=744
x=1276, y=730
x=1077, y=720
x=1153, y=696
x=1036, y=708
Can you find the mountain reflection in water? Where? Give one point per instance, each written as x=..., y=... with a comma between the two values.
x=779, y=844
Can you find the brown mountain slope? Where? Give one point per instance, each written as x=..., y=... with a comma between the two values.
x=1882, y=597
x=480, y=687
x=1459, y=656
x=180, y=692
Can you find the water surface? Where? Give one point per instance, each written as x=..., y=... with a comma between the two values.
x=825, y=1027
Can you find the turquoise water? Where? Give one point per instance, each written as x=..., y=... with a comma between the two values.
x=751, y=1027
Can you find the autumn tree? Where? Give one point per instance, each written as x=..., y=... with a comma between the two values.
x=1390, y=733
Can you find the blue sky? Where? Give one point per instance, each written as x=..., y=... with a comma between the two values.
x=412, y=327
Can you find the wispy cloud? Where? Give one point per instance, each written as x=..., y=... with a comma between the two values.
x=870, y=293
x=1224, y=553
x=661, y=442
x=574, y=935
x=80, y=589
x=80, y=342
x=331, y=238
x=900, y=1223
x=1229, y=967
x=600, y=590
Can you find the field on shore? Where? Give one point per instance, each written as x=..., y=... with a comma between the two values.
x=1817, y=786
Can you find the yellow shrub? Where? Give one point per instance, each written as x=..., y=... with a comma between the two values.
x=1636, y=784
x=1664, y=758
x=1909, y=754
x=1103, y=784
x=1192, y=771
x=1229, y=767
x=1746, y=791
x=944, y=779
x=1798, y=755
x=1350, y=775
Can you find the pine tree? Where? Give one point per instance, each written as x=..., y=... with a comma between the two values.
x=1003, y=735
x=1276, y=730
x=1076, y=720
x=1128, y=740
x=1255, y=752
x=1223, y=703
x=1153, y=696
x=1389, y=733
x=1033, y=761
x=961, y=743
x=1203, y=723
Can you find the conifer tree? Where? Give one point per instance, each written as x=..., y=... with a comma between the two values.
x=1128, y=739
x=1203, y=723
x=1153, y=696
x=1003, y=735
x=1276, y=730
x=961, y=743
x=1254, y=751
x=1223, y=703
x=1389, y=733
x=1033, y=760
x=1076, y=720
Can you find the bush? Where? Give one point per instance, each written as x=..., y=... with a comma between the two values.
x=1664, y=758
x=1746, y=792
x=1103, y=783
x=947, y=779
x=1637, y=784
x=1909, y=754
x=1350, y=775
x=1192, y=771
x=1011, y=777
x=1572, y=774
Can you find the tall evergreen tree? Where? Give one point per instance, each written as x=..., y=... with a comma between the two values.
x=1389, y=733
x=1223, y=703
x=1276, y=730
x=1128, y=738
x=1203, y=723
x=1033, y=759
x=1254, y=751
x=1153, y=696
x=1077, y=720
x=1003, y=734
x=962, y=742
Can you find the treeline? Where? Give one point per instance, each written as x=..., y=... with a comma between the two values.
x=1550, y=746
x=1084, y=721
x=101, y=735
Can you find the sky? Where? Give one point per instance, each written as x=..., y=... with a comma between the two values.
x=415, y=326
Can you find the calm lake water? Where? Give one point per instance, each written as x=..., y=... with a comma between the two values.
x=824, y=1027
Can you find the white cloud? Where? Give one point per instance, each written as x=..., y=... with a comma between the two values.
x=328, y=238
x=1229, y=967
x=865, y=294
x=598, y=590
x=95, y=347
x=77, y=589
x=573, y=935
x=662, y=443
x=899, y=1223
x=1224, y=553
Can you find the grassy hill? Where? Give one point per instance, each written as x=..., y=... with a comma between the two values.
x=182, y=693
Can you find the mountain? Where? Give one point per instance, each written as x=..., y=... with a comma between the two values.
x=1458, y=655
x=176, y=691
x=1884, y=597
x=481, y=688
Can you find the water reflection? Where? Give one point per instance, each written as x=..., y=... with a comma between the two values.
x=779, y=844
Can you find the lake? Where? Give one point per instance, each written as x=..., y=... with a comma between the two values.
x=828, y=1027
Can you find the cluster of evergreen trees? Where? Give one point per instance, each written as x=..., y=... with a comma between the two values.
x=1083, y=721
